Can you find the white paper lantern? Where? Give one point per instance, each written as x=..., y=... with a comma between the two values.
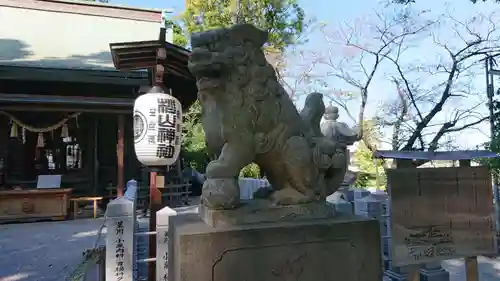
x=157, y=128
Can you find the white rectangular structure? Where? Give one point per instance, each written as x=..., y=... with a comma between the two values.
x=48, y=181
x=70, y=34
x=162, y=217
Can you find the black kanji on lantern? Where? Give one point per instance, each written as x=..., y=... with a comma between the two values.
x=152, y=112
x=152, y=125
x=166, y=135
x=151, y=139
x=165, y=150
x=166, y=121
x=166, y=106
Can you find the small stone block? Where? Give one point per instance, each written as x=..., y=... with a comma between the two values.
x=395, y=276
x=401, y=269
x=386, y=262
x=434, y=275
x=384, y=231
x=315, y=249
x=343, y=208
x=385, y=245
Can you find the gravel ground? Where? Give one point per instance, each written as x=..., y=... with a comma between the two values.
x=45, y=251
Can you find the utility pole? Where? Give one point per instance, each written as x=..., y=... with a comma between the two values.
x=490, y=91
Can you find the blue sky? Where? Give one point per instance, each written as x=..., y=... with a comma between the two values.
x=324, y=10
x=337, y=12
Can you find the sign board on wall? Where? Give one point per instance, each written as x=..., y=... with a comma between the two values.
x=440, y=213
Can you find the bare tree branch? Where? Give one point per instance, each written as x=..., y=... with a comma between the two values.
x=367, y=58
x=474, y=47
x=400, y=118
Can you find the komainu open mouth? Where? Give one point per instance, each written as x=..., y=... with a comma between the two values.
x=205, y=68
x=206, y=83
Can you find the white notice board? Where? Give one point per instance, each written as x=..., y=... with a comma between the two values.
x=48, y=181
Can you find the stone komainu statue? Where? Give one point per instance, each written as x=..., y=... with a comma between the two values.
x=248, y=117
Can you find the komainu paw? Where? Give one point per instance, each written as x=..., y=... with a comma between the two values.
x=221, y=193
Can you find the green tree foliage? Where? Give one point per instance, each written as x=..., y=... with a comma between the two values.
x=180, y=38
x=283, y=19
x=371, y=170
x=195, y=152
x=251, y=171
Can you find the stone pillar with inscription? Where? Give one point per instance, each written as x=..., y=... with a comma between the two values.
x=162, y=218
x=120, y=244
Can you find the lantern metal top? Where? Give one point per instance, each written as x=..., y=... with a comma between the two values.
x=156, y=90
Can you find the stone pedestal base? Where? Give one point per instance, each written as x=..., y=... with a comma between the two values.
x=346, y=249
x=263, y=211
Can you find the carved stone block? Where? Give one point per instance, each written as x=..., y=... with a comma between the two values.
x=346, y=249
x=261, y=211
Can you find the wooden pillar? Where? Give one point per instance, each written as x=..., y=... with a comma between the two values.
x=95, y=155
x=119, y=153
x=155, y=197
x=471, y=267
x=414, y=270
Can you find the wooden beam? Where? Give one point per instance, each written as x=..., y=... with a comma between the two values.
x=95, y=151
x=113, y=77
x=471, y=267
x=87, y=8
x=119, y=154
x=64, y=109
x=65, y=100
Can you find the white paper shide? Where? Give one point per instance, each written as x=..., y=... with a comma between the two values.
x=157, y=128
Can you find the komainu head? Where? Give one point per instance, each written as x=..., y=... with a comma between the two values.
x=225, y=54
